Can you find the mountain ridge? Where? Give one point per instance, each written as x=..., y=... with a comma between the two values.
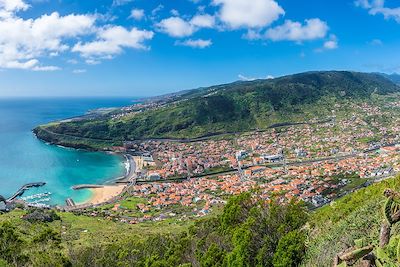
x=234, y=107
x=394, y=77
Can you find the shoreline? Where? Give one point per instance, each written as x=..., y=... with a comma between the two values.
x=110, y=189
x=103, y=194
x=107, y=190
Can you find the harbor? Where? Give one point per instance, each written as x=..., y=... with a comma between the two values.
x=24, y=188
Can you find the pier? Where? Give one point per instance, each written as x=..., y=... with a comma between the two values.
x=24, y=188
x=86, y=186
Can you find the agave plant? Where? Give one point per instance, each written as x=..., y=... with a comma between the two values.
x=387, y=254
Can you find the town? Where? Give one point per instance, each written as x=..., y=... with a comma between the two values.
x=314, y=162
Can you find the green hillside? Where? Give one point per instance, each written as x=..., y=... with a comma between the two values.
x=394, y=77
x=338, y=226
x=236, y=107
x=245, y=233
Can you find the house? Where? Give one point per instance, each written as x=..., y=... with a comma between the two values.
x=241, y=154
x=273, y=158
x=148, y=160
x=254, y=170
x=300, y=153
x=319, y=200
x=154, y=176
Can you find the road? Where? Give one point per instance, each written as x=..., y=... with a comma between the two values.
x=295, y=163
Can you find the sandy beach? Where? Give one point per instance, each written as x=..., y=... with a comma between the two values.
x=103, y=194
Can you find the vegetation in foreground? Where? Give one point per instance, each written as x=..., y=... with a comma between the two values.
x=247, y=233
x=354, y=220
x=387, y=252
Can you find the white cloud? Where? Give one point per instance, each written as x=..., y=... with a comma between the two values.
x=201, y=9
x=121, y=2
x=156, y=10
x=111, y=41
x=46, y=68
x=137, y=14
x=253, y=35
x=255, y=16
x=79, y=71
x=295, y=31
x=91, y=61
x=244, y=78
x=248, y=14
x=174, y=12
x=9, y=7
x=23, y=41
x=247, y=79
x=362, y=3
x=55, y=26
x=72, y=61
x=376, y=42
x=377, y=7
x=176, y=27
x=332, y=43
x=199, y=43
x=32, y=64
x=203, y=21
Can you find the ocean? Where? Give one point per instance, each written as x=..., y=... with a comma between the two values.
x=25, y=159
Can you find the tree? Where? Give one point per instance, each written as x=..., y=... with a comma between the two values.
x=10, y=244
x=290, y=250
x=214, y=256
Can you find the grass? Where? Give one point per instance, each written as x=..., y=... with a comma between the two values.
x=334, y=227
x=132, y=202
x=83, y=230
x=86, y=230
x=367, y=140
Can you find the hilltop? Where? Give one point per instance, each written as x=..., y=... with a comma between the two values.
x=228, y=108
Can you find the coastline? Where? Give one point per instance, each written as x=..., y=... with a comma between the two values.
x=110, y=189
x=106, y=190
x=103, y=194
x=28, y=158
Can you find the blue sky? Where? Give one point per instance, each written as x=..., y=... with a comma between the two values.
x=151, y=47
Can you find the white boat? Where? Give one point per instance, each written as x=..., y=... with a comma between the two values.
x=36, y=196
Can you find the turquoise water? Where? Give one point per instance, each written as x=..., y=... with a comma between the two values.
x=24, y=159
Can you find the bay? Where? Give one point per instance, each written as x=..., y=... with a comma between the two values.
x=25, y=159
